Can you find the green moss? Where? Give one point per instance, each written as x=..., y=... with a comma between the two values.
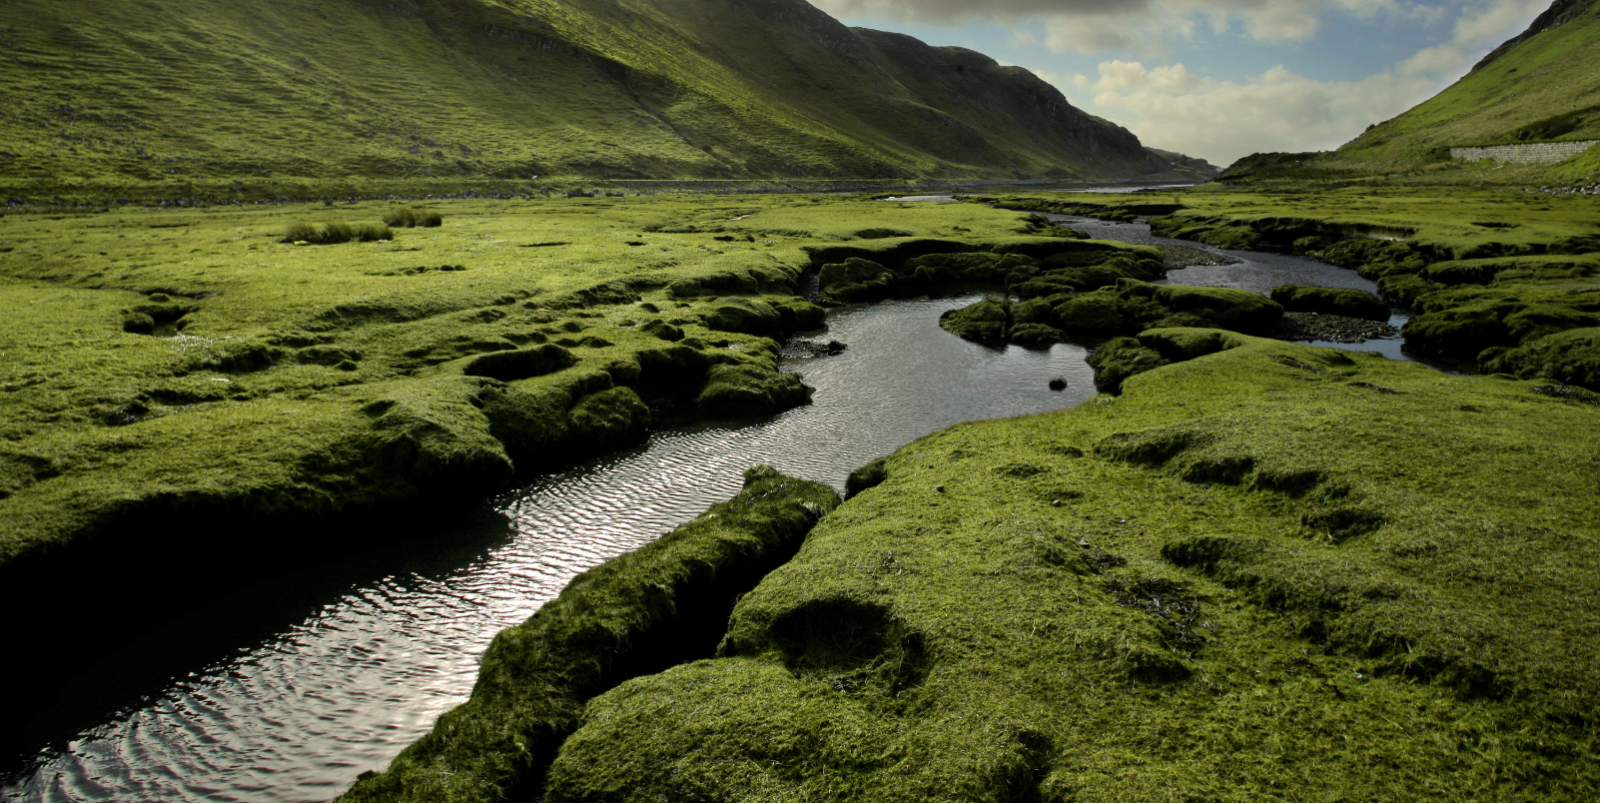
x=1133, y=306
x=747, y=390
x=1120, y=358
x=634, y=614
x=609, y=418
x=855, y=280
x=866, y=477
x=1035, y=336
x=1460, y=323
x=1332, y=301
x=982, y=322
x=1250, y=553
x=1569, y=356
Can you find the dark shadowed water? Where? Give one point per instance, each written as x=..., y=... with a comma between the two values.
x=367, y=651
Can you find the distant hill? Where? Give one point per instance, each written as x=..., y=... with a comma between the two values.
x=1187, y=167
x=1539, y=86
x=110, y=95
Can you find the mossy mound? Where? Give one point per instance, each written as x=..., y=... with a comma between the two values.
x=1250, y=553
x=982, y=322
x=1569, y=357
x=1027, y=266
x=636, y=614
x=855, y=280
x=1126, y=308
x=1462, y=322
x=1120, y=358
x=1332, y=301
x=739, y=389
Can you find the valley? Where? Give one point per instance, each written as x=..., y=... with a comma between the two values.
x=666, y=399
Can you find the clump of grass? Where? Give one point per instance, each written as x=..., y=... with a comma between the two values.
x=411, y=216
x=336, y=233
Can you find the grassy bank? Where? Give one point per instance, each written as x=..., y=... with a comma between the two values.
x=1500, y=280
x=640, y=613
x=1251, y=576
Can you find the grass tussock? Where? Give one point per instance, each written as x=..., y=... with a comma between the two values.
x=336, y=232
x=408, y=217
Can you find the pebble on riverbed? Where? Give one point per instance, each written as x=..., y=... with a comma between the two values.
x=1334, y=328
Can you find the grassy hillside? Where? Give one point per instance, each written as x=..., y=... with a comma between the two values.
x=144, y=99
x=1542, y=85
x=1193, y=167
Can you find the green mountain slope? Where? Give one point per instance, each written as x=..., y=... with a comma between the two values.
x=1541, y=85
x=248, y=95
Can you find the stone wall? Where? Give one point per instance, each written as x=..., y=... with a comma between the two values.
x=1524, y=152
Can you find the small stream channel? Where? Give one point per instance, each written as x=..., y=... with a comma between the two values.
x=307, y=679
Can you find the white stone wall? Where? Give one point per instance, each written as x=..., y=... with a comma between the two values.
x=1524, y=152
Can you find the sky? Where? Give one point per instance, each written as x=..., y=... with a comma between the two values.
x=1221, y=79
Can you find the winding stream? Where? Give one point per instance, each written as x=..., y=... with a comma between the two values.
x=376, y=649
x=348, y=662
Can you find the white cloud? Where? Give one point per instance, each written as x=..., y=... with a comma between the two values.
x=1170, y=107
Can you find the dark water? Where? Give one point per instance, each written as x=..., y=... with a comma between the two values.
x=366, y=652
x=1256, y=271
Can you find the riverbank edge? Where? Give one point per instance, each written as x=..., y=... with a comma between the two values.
x=639, y=613
x=487, y=431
